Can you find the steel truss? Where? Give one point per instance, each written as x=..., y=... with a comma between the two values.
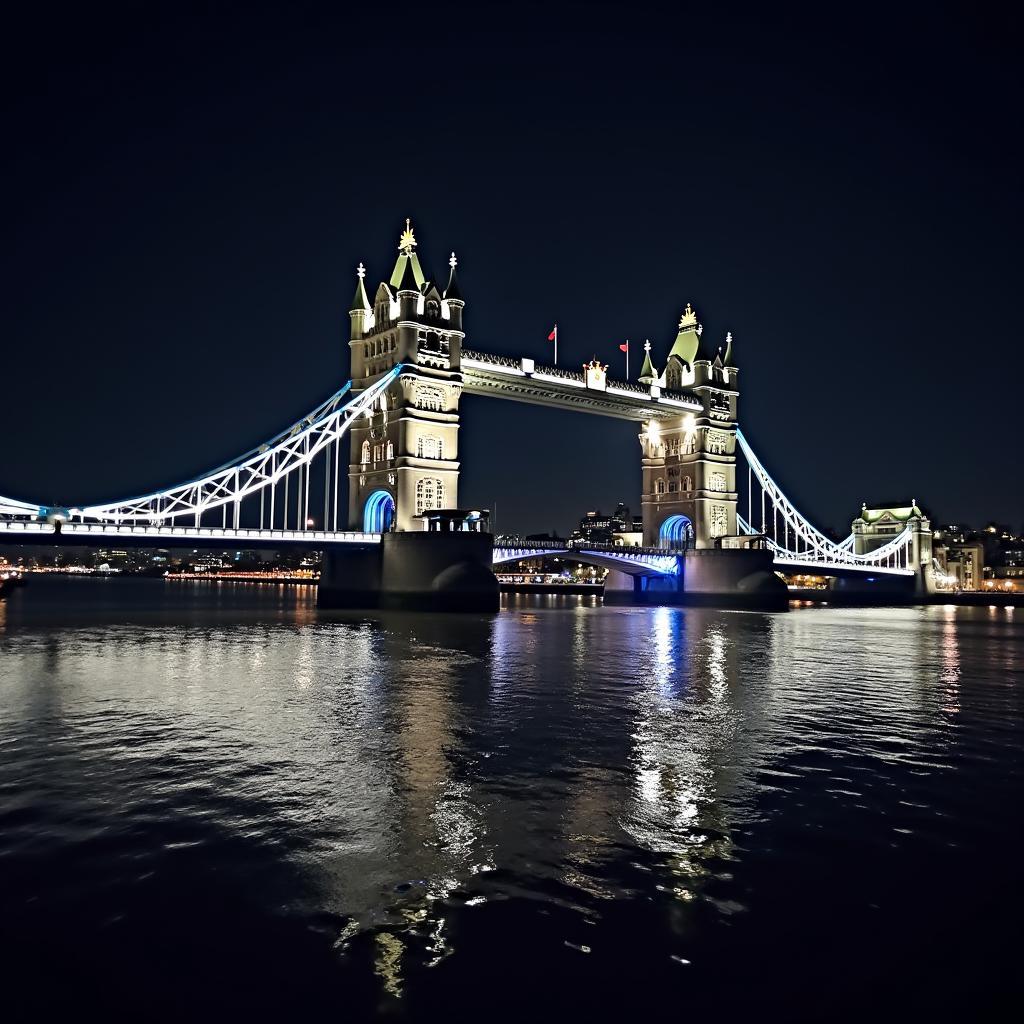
x=794, y=539
x=276, y=476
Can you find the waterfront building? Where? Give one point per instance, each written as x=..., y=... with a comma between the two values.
x=595, y=527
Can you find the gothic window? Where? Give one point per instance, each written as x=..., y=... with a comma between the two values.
x=672, y=377
x=429, y=448
x=690, y=443
x=672, y=486
x=687, y=484
x=433, y=310
x=390, y=451
x=716, y=482
x=717, y=442
x=428, y=397
x=365, y=456
x=673, y=446
x=429, y=494
x=719, y=520
x=376, y=453
x=659, y=486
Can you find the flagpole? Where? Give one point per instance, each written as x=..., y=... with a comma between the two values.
x=627, y=360
x=556, y=344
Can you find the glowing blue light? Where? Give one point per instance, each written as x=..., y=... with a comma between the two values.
x=378, y=512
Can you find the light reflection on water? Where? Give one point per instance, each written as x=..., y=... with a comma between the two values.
x=610, y=785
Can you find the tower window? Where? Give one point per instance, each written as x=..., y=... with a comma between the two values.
x=659, y=486
x=429, y=447
x=365, y=455
x=428, y=397
x=429, y=494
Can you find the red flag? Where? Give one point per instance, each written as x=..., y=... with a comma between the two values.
x=624, y=348
x=553, y=336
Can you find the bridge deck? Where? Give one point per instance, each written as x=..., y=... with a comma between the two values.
x=521, y=381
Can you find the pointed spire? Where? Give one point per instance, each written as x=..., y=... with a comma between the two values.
x=688, y=339
x=359, y=300
x=453, y=291
x=410, y=281
x=728, y=349
x=407, y=258
x=648, y=375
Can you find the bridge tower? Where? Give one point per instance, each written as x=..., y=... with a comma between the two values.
x=404, y=456
x=877, y=526
x=689, y=464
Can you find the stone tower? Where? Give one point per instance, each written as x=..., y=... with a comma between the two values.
x=689, y=464
x=404, y=455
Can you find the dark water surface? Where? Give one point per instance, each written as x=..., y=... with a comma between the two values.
x=216, y=800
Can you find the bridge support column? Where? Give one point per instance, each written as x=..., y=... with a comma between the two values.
x=447, y=572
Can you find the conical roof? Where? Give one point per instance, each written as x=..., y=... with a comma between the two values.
x=647, y=371
x=687, y=341
x=359, y=300
x=407, y=266
x=453, y=291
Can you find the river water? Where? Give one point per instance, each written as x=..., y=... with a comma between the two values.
x=216, y=800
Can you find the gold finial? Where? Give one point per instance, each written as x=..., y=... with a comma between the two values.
x=407, y=242
x=689, y=317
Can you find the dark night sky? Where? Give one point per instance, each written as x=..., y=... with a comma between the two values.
x=186, y=195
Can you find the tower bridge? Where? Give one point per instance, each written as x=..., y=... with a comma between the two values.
x=393, y=432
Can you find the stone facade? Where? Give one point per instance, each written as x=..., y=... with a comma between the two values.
x=689, y=464
x=404, y=456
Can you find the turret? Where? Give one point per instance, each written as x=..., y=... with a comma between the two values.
x=679, y=367
x=359, y=312
x=453, y=297
x=648, y=375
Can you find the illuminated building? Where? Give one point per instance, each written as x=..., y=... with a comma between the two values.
x=689, y=464
x=404, y=452
x=597, y=528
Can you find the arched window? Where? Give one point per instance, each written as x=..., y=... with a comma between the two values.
x=391, y=451
x=429, y=494
x=659, y=486
x=716, y=482
x=672, y=486
x=687, y=484
x=365, y=457
x=376, y=453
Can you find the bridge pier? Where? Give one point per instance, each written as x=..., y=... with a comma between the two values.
x=416, y=571
x=733, y=578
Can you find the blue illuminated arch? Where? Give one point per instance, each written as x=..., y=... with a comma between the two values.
x=676, y=533
x=378, y=512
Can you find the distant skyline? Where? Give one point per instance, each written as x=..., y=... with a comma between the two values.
x=188, y=196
